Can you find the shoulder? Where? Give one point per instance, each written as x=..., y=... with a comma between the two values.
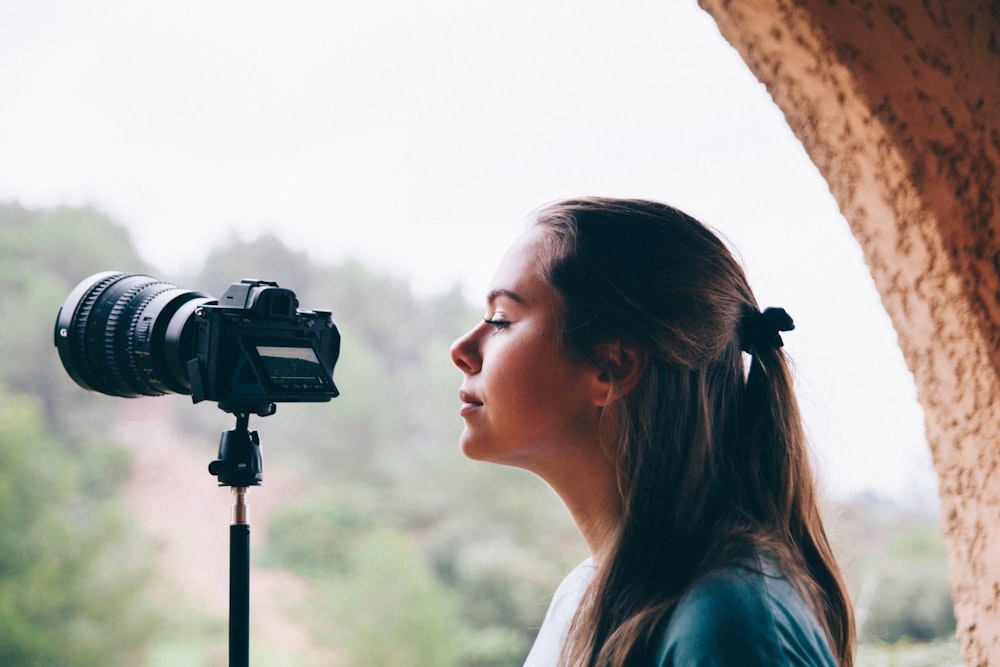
x=549, y=640
x=742, y=616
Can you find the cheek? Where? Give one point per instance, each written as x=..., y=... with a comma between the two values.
x=515, y=379
x=528, y=367
x=542, y=389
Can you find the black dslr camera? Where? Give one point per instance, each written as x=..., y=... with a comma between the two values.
x=131, y=335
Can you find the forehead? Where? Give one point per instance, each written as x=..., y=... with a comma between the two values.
x=521, y=263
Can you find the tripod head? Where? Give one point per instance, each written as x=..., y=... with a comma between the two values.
x=240, y=463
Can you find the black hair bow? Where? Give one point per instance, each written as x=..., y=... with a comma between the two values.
x=762, y=330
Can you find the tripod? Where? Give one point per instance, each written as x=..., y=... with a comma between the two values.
x=240, y=466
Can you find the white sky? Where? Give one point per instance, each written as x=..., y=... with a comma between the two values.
x=417, y=136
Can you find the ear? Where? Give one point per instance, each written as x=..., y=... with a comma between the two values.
x=620, y=369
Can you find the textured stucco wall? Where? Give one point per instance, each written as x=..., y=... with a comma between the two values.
x=898, y=104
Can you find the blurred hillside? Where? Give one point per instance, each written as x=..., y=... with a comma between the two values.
x=374, y=541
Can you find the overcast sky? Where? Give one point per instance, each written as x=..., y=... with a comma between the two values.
x=416, y=136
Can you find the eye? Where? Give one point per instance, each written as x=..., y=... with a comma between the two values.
x=497, y=323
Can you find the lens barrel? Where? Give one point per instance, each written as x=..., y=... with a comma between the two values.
x=127, y=334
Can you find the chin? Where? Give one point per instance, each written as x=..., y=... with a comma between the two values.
x=480, y=449
x=474, y=450
x=491, y=452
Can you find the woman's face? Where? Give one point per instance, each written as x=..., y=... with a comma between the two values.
x=524, y=403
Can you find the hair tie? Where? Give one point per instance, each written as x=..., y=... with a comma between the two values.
x=761, y=330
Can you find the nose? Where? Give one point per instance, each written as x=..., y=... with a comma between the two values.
x=465, y=353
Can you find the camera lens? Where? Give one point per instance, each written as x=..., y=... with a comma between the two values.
x=127, y=334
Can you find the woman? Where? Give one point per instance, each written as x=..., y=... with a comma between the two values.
x=611, y=363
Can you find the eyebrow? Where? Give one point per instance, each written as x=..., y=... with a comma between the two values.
x=497, y=293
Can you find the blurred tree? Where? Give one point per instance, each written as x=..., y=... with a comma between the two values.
x=44, y=253
x=896, y=566
x=70, y=569
x=910, y=597
x=388, y=610
x=263, y=258
x=69, y=581
x=314, y=535
x=69, y=243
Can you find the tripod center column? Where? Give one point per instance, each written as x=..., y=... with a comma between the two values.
x=241, y=513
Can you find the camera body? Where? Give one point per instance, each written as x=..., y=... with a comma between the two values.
x=131, y=335
x=256, y=346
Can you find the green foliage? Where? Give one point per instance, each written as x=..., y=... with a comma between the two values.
x=314, y=537
x=67, y=578
x=939, y=653
x=65, y=243
x=387, y=609
x=911, y=599
x=44, y=253
x=264, y=258
x=896, y=565
x=71, y=569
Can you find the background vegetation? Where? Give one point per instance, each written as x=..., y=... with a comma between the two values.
x=392, y=548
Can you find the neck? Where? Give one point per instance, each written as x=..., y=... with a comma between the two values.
x=589, y=489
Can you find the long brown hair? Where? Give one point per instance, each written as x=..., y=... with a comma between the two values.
x=712, y=458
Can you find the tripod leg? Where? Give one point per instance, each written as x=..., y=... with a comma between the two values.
x=239, y=584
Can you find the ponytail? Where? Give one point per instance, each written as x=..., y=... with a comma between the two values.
x=772, y=423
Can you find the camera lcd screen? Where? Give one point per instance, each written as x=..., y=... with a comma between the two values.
x=292, y=367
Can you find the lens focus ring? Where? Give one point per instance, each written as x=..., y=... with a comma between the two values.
x=78, y=339
x=115, y=335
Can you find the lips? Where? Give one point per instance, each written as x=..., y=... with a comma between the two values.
x=469, y=402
